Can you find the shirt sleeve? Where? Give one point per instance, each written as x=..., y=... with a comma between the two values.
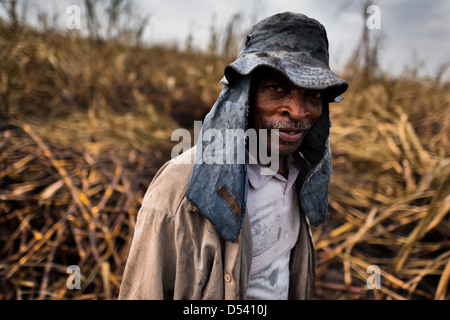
x=150, y=269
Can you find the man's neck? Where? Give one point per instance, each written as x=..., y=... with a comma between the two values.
x=282, y=167
x=282, y=164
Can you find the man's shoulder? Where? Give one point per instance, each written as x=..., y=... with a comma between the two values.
x=170, y=183
x=179, y=167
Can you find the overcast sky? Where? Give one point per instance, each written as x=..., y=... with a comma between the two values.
x=411, y=28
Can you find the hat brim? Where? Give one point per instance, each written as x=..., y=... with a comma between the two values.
x=302, y=71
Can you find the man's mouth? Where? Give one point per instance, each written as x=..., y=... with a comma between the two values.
x=290, y=135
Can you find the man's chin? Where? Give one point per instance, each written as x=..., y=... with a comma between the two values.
x=287, y=149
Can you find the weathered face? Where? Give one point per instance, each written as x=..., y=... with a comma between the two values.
x=279, y=104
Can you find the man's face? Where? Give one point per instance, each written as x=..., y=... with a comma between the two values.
x=279, y=104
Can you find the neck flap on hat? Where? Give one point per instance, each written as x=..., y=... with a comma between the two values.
x=219, y=191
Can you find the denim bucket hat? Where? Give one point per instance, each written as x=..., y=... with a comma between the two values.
x=294, y=45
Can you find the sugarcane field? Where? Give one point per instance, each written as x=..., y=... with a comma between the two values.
x=87, y=121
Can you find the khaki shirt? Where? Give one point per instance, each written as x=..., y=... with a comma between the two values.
x=177, y=253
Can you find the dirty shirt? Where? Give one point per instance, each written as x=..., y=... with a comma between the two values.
x=273, y=209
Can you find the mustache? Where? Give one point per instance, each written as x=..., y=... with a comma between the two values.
x=286, y=124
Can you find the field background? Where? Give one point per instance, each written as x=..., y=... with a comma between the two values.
x=86, y=121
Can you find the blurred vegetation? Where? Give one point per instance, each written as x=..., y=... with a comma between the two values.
x=86, y=122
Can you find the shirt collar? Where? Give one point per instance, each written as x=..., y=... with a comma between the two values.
x=257, y=180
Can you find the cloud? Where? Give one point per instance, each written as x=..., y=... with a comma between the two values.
x=419, y=26
x=416, y=28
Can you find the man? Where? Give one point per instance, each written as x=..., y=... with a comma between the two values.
x=209, y=230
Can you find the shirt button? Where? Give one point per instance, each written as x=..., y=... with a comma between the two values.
x=227, y=277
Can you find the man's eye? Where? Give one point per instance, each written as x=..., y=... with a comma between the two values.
x=276, y=88
x=314, y=94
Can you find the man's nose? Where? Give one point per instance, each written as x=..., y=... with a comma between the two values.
x=295, y=106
